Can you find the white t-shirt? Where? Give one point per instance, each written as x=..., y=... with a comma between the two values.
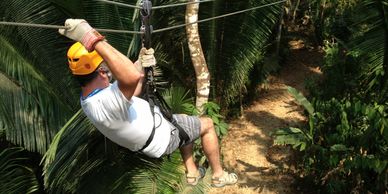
x=128, y=123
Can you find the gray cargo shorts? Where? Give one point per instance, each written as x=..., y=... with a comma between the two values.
x=190, y=124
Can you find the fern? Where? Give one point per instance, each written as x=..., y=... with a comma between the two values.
x=178, y=100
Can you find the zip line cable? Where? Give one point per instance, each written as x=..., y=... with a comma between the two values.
x=120, y=4
x=179, y=4
x=32, y=25
x=139, y=32
x=155, y=7
x=64, y=27
x=217, y=17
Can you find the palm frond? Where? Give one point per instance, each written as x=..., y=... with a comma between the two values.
x=30, y=110
x=43, y=48
x=15, y=177
x=371, y=43
x=178, y=100
x=243, y=45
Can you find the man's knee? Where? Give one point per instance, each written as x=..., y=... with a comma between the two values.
x=206, y=125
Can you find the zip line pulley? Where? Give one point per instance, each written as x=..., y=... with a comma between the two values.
x=146, y=27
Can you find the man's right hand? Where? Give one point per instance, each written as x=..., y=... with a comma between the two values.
x=79, y=30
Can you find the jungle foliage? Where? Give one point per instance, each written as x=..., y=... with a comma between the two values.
x=344, y=146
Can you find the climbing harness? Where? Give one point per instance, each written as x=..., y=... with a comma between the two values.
x=150, y=93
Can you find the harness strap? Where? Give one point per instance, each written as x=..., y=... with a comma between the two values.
x=150, y=98
x=183, y=137
x=165, y=109
x=162, y=104
x=151, y=137
x=150, y=93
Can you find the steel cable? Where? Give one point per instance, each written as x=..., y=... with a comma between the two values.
x=120, y=4
x=154, y=7
x=217, y=17
x=64, y=27
x=139, y=32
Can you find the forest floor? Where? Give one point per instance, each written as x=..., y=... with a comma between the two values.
x=248, y=147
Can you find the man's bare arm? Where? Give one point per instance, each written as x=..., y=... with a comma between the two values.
x=121, y=67
x=139, y=86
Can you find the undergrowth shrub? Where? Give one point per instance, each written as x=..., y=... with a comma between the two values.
x=180, y=102
x=341, y=69
x=344, y=146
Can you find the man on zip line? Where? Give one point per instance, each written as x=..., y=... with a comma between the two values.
x=117, y=112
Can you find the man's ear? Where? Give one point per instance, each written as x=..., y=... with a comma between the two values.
x=101, y=72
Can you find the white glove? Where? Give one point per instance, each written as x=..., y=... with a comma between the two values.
x=79, y=30
x=146, y=57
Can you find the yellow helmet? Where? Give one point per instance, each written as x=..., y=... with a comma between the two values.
x=82, y=62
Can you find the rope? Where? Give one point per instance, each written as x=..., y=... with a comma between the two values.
x=139, y=32
x=155, y=7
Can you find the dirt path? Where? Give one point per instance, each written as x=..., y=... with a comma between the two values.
x=248, y=148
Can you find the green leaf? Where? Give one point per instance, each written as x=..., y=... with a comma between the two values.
x=291, y=136
x=301, y=100
x=339, y=148
x=179, y=100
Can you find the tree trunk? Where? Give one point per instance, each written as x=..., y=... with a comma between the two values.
x=197, y=57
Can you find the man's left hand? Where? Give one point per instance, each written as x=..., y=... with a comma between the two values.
x=147, y=58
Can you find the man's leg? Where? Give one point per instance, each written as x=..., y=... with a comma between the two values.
x=188, y=160
x=210, y=146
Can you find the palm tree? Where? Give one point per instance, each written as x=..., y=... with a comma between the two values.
x=39, y=108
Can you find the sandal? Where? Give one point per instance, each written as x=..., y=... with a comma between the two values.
x=225, y=179
x=196, y=177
